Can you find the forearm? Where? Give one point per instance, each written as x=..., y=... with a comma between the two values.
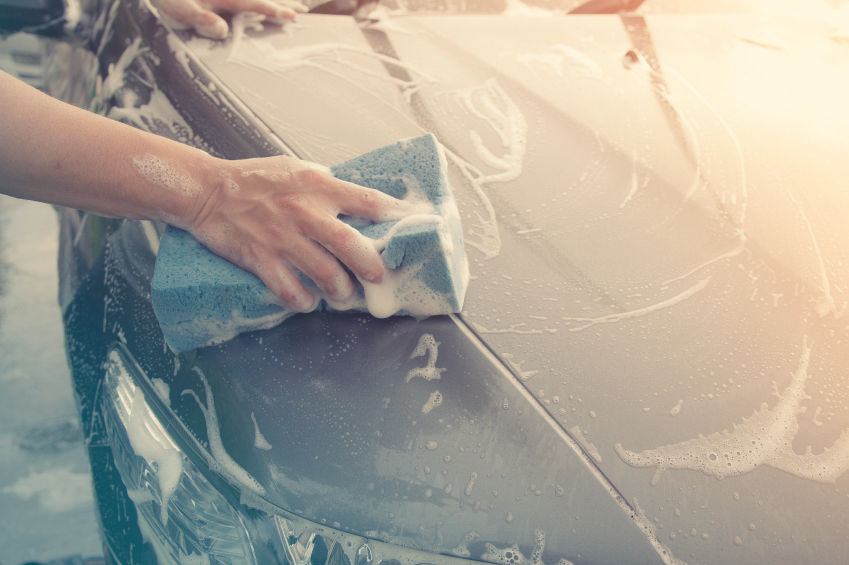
x=56, y=153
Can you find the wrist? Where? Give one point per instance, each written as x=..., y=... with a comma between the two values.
x=183, y=184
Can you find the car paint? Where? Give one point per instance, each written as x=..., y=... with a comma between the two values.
x=667, y=250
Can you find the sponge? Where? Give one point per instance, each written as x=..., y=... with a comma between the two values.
x=201, y=299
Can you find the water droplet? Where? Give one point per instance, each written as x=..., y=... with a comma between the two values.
x=431, y=445
x=509, y=517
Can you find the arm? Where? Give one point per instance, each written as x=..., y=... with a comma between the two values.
x=264, y=215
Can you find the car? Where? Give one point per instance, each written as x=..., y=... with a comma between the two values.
x=651, y=361
x=22, y=55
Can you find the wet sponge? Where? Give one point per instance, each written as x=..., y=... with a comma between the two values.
x=201, y=299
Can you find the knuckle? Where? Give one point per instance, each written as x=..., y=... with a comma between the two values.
x=312, y=177
x=342, y=237
x=296, y=203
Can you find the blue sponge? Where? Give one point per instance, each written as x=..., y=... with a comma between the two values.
x=201, y=299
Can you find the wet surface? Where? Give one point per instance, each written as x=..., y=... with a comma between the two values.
x=46, y=504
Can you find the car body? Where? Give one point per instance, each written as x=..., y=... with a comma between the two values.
x=654, y=206
x=23, y=55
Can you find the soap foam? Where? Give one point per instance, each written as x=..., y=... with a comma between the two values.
x=431, y=371
x=165, y=175
x=432, y=402
x=764, y=439
x=259, y=442
x=221, y=460
x=155, y=449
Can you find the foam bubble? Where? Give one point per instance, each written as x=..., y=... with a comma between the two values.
x=259, y=442
x=431, y=445
x=429, y=372
x=165, y=175
x=432, y=402
x=766, y=438
x=471, y=484
x=221, y=460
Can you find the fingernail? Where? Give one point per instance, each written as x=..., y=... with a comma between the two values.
x=374, y=277
x=302, y=303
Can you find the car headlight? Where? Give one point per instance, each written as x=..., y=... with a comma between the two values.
x=191, y=515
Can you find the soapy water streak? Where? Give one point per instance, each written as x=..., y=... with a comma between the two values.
x=824, y=304
x=264, y=56
x=513, y=329
x=491, y=104
x=429, y=372
x=221, y=460
x=742, y=200
x=591, y=450
x=764, y=439
x=612, y=318
x=524, y=375
x=148, y=440
x=558, y=54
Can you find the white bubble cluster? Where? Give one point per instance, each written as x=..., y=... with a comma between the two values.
x=764, y=439
x=432, y=402
x=165, y=175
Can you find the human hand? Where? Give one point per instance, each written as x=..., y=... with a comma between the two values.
x=202, y=15
x=269, y=215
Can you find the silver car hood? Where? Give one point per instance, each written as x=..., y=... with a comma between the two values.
x=655, y=217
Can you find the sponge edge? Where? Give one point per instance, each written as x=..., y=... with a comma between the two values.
x=201, y=299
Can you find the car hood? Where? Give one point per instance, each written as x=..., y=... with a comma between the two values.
x=654, y=212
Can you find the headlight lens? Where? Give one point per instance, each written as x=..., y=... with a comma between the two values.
x=180, y=512
x=184, y=510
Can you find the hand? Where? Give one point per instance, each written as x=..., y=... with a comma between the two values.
x=202, y=14
x=268, y=215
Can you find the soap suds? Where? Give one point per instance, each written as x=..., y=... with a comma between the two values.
x=221, y=460
x=150, y=442
x=513, y=329
x=824, y=304
x=766, y=438
x=430, y=372
x=524, y=375
x=432, y=402
x=163, y=390
x=166, y=175
x=612, y=318
x=675, y=410
x=490, y=103
x=591, y=450
x=259, y=440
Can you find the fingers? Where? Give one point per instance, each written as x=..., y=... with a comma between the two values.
x=275, y=13
x=285, y=285
x=371, y=204
x=201, y=14
x=188, y=13
x=322, y=267
x=345, y=243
